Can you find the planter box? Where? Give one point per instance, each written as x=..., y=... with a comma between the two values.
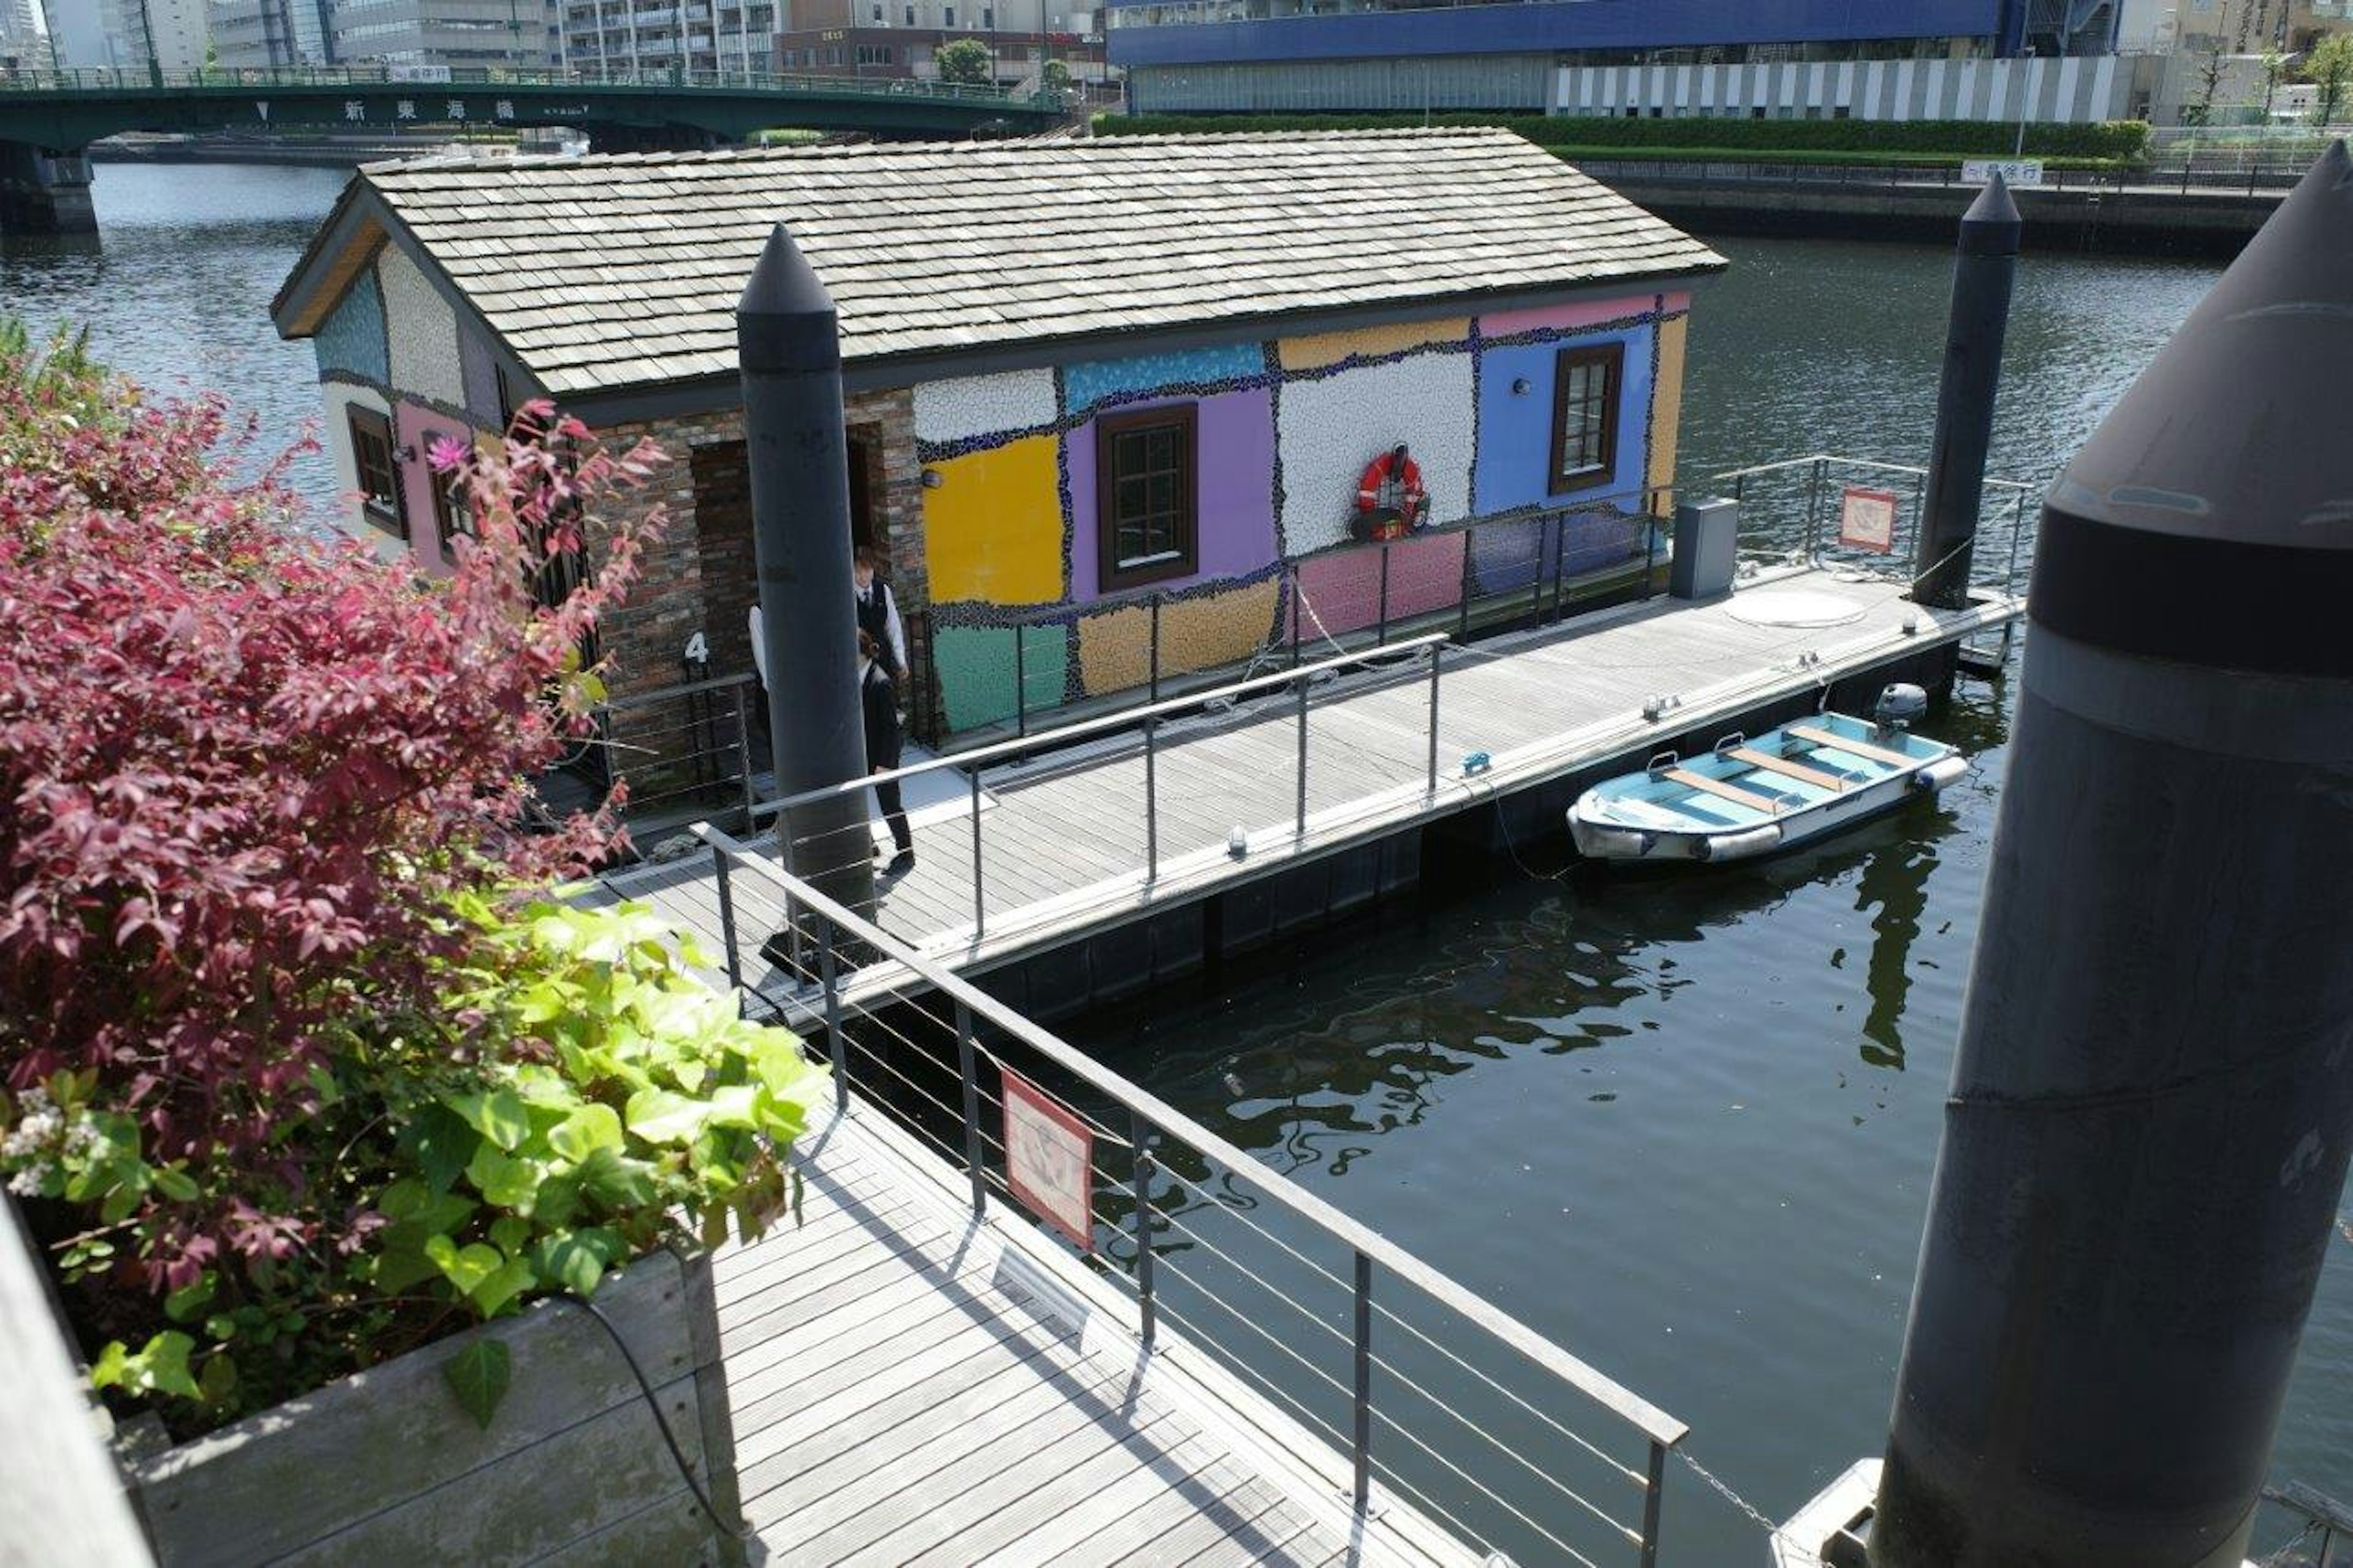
x=383, y=1466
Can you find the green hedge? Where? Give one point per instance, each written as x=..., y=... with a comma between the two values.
x=2124, y=139
x=1603, y=155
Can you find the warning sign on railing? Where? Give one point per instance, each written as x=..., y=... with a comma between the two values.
x=1049, y=1160
x=1867, y=518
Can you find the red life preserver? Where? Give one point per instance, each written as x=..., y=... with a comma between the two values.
x=1390, y=499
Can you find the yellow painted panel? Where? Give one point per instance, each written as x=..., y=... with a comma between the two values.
x=1115, y=648
x=1667, y=404
x=1320, y=349
x=993, y=528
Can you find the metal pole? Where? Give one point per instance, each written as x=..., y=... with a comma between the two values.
x=743, y=755
x=829, y=974
x=1294, y=617
x=1537, y=582
x=1155, y=647
x=2144, y=1144
x=1151, y=800
x=1363, y=1402
x=788, y=339
x=1813, y=514
x=1437, y=653
x=1954, y=488
x=1653, y=1488
x=1141, y=1136
x=972, y=1156
x=979, y=907
x=1381, y=638
x=719, y=870
x=1301, y=831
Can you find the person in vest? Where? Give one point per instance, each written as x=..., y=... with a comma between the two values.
x=877, y=693
x=878, y=615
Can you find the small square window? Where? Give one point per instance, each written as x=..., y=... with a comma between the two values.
x=378, y=476
x=1146, y=517
x=1585, y=415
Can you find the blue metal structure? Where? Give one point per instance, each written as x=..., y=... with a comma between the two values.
x=1553, y=25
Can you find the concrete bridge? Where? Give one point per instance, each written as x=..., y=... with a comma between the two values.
x=48, y=118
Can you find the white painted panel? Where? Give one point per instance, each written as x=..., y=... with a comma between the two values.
x=971, y=406
x=1329, y=427
x=1683, y=87
x=1846, y=85
x=1902, y=108
x=422, y=331
x=337, y=434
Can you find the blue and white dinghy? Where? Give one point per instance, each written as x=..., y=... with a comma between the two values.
x=1750, y=798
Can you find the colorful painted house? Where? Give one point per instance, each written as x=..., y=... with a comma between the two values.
x=1092, y=386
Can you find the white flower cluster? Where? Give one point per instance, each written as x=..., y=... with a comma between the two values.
x=41, y=1133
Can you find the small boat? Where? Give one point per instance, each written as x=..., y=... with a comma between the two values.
x=1750, y=798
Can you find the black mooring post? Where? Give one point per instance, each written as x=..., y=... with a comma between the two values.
x=2152, y=1104
x=790, y=348
x=1982, y=275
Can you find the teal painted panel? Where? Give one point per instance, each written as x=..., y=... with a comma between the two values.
x=976, y=671
x=1096, y=381
x=351, y=340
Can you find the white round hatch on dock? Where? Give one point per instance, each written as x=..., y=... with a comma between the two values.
x=1792, y=607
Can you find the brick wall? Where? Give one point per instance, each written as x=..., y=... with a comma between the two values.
x=701, y=577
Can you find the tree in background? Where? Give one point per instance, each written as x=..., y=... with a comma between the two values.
x=964, y=61
x=2329, y=68
x=1055, y=77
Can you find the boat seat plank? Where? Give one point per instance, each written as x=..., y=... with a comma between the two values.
x=1723, y=790
x=1862, y=748
x=1788, y=769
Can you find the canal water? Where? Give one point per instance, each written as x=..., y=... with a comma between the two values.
x=1685, y=1126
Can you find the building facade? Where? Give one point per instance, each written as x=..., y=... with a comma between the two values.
x=1162, y=443
x=430, y=35
x=271, y=34
x=900, y=39
x=166, y=35
x=707, y=39
x=1310, y=55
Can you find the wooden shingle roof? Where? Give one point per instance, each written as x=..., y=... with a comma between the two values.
x=606, y=273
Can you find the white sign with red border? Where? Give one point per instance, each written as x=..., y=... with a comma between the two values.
x=1867, y=518
x=1049, y=1160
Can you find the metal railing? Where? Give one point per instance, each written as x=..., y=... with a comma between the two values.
x=2316, y=1519
x=1424, y=1391
x=1789, y=514
x=2251, y=176
x=1552, y=559
x=241, y=78
x=684, y=747
x=827, y=850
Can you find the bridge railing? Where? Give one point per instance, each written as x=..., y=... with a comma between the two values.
x=425, y=79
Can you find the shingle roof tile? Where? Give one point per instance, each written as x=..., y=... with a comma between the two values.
x=612, y=272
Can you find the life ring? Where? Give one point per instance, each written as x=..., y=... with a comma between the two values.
x=1390, y=499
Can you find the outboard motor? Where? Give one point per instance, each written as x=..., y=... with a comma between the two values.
x=1897, y=708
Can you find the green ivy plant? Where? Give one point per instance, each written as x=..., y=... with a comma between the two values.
x=600, y=1102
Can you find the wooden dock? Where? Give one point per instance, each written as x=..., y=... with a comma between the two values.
x=911, y=1385
x=1063, y=852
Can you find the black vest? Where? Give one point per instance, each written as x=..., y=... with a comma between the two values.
x=874, y=620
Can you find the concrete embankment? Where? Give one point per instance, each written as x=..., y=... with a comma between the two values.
x=2134, y=219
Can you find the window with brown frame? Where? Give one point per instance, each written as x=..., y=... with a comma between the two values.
x=1146, y=517
x=450, y=516
x=1585, y=415
x=379, y=477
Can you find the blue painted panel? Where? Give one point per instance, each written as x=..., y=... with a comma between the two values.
x=1515, y=428
x=1577, y=25
x=351, y=340
x=1093, y=382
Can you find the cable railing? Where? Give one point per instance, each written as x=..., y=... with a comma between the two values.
x=1424, y=1391
x=104, y=79
x=1790, y=513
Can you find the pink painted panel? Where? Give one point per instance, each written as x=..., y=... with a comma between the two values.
x=1569, y=318
x=1342, y=589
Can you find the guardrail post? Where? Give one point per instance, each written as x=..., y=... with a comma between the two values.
x=726, y=892
x=1436, y=655
x=1140, y=1136
x=1295, y=596
x=1462, y=624
x=1813, y=514
x=744, y=754
x=979, y=906
x=1020, y=683
x=1301, y=831
x=830, y=975
x=1363, y=1402
x=1653, y=1487
x=1151, y=801
x=1156, y=646
x=971, y=1108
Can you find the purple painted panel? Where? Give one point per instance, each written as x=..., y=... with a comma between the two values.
x=414, y=427
x=481, y=376
x=1236, y=473
x=1343, y=589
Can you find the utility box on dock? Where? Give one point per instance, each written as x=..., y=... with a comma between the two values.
x=1707, y=541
